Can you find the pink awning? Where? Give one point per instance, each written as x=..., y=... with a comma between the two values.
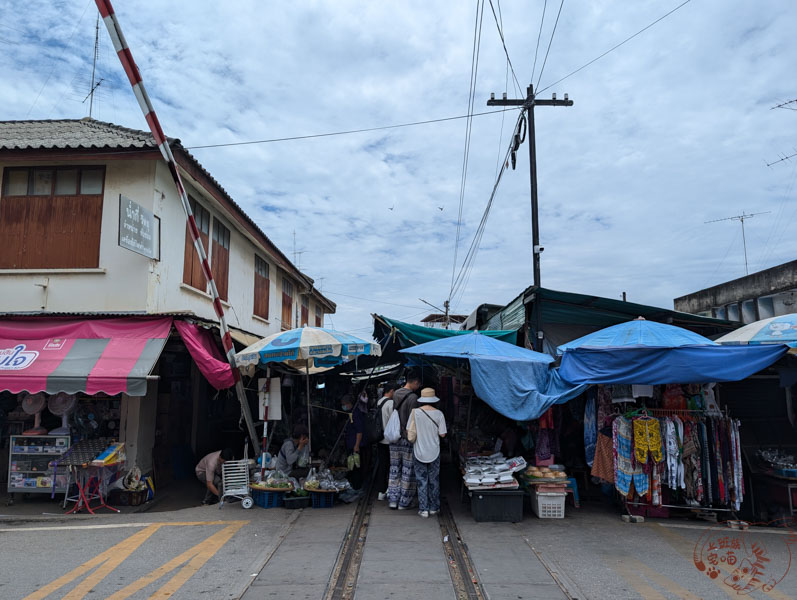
x=39, y=354
x=206, y=354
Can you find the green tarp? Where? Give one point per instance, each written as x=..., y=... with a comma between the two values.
x=410, y=335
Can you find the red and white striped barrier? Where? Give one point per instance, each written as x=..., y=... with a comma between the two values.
x=134, y=76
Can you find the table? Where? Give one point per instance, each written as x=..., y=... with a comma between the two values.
x=92, y=484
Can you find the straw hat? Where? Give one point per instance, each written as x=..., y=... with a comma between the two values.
x=428, y=396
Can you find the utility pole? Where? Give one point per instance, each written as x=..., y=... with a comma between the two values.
x=741, y=219
x=528, y=103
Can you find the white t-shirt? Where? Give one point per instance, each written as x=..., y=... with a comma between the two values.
x=429, y=426
x=387, y=410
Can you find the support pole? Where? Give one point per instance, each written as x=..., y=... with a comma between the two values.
x=134, y=76
x=309, y=426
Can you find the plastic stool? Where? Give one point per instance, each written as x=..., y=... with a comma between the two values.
x=572, y=488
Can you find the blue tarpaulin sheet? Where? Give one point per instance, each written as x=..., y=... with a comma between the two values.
x=514, y=381
x=645, y=365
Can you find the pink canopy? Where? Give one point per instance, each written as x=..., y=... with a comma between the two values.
x=205, y=352
x=71, y=355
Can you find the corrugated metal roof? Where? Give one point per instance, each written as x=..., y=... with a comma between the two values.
x=88, y=133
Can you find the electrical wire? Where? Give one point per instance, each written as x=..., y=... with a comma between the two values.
x=328, y=293
x=613, y=48
x=539, y=37
x=503, y=43
x=553, y=33
x=778, y=220
x=474, y=69
x=347, y=132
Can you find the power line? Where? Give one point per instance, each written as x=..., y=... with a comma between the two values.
x=553, y=33
x=785, y=105
x=503, y=43
x=328, y=293
x=474, y=69
x=539, y=37
x=347, y=132
x=613, y=48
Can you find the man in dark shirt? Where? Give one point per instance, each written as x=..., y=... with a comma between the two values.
x=401, y=480
x=355, y=430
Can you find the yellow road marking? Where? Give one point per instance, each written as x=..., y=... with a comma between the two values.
x=196, y=557
x=113, y=556
x=661, y=580
x=620, y=566
x=686, y=548
x=107, y=561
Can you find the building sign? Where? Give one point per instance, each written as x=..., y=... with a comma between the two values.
x=139, y=229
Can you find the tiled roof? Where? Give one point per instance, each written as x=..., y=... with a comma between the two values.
x=83, y=133
x=89, y=133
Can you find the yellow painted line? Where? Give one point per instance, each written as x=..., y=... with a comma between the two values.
x=107, y=562
x=661, y=580
x=195, y=557
x=619, y=564
x=686, y=548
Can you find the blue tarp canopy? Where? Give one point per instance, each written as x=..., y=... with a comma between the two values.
x=649, y=353
x=514, y=381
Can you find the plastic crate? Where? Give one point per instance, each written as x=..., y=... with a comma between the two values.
x=548, y=505
x=322, y=499
x=267, y=499
x=497, y=505
x=297, y=502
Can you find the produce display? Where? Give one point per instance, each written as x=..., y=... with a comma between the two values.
x=552, y=473
x=324, y=481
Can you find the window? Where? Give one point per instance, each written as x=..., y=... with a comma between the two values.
x=46, y=222
x=748, y=311
x=766, y=307
x=262, y=285
x=719, y=312
x=733, y=312
x=192, y=266
x=305, y=321
x=287, y=303
x=319, y=316
x=220, y=258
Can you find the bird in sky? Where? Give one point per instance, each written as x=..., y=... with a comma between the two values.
x=440, y=207
x=392, y=207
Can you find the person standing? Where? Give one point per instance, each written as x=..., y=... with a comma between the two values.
x=425, y=428
x=401, y=480
x=354, y=432
x=385, y=407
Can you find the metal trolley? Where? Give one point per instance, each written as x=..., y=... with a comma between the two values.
x=235, y=482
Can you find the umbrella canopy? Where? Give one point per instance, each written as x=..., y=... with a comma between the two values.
x=776, y=330
x=638, y=333
x=514, y=381
x=306, y=347
x=650, y=353
x=474, y=345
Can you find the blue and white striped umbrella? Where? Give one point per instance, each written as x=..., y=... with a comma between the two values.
x=306, y=347
x=776, y=330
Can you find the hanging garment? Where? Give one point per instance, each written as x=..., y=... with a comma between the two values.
x=705, y=461
x=673, y=397
x=546, y=420
x=735, y=424
x=543, y=451
x=671, y=444
x=691, y=460
x=655, y=485
x=604, y=402
x=626, y=471
x=679, y=433
x=590, y=430
x=603, y=465
x=647, y=440
x=622, y=393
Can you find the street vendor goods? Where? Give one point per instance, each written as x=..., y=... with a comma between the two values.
x=494, y=471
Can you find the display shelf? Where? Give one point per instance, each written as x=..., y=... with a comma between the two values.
x=30, y=459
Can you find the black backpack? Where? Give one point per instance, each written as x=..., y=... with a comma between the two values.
x=373, y=432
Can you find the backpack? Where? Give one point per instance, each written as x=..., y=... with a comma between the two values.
x=372, y=430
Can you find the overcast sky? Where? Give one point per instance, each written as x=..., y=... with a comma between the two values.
x=671, y=130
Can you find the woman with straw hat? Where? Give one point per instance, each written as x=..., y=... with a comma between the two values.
x=425, y=428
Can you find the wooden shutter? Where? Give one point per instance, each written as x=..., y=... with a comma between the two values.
x=192, y=266
x=262, y=285
x=220, y=261
x=287, y=303
x=305, y=312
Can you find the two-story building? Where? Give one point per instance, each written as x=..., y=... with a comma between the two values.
x=70, y=191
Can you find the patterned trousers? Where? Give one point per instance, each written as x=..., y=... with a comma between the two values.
x=401, y=479
x=428, y=475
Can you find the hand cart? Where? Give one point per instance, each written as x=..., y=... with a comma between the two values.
x=235, y=482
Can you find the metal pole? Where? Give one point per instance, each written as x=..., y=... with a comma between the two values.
x=744, y=243
x=535, y=217
x=309, y=428
x=134, y=76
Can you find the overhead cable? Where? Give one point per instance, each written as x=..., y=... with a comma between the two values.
x=503, y=43
x=347, y=132
x=539, y=36
x=613, y=48
x=553, y=33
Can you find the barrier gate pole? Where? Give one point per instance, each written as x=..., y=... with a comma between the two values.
x=134, y=76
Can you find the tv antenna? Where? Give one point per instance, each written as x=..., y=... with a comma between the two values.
x=741, y=219
x=93, y=87
x=296, y=253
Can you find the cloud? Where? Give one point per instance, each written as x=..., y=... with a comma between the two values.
x=671, y=130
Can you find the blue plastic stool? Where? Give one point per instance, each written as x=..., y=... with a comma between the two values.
x=572, y=487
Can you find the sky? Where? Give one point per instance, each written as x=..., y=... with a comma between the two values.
x=670, y=130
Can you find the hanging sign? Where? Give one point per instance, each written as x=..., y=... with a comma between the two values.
x=269, y=399
x=139, y=229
